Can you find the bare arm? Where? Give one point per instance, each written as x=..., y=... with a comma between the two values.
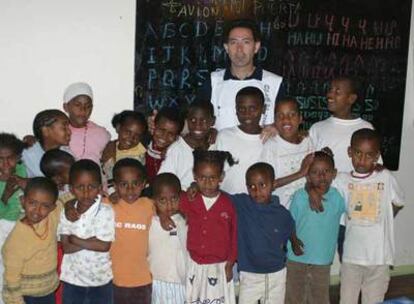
x=92, y=243
x=303, y=171
x=68, y=247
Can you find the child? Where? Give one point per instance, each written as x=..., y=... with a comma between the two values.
x=55, y=164
x=312, y=250
x=51, y=130
x=167, y=252
x=212, y=232
x=287, y=152
x=87, y=239
x=12, y=182
x=335, y=132
x=29, y=253
x=179, y=158
x=243, y=141
x=373, y=198
x=133, y=215
x=168, y=125
x=264, y=226
x=88, y=139
x=131, y=127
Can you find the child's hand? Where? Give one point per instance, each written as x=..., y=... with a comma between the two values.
x=297, y=246
x=20, y=181
x=306, y=162
x=268, y=132
x=192, y=191
x=315, y=199
x=70, y=211
x=151, y=122
x=166, y=222
x=114, y=198
x=29, y=140
x=229, y=271
x=9, y=190
x=212, y=136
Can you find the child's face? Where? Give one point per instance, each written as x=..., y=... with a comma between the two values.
x=340, y=97
x=79, y=110
x=129, y=184
x=167, y=199
x=208, y=178
x=86, y=188
x=62, y=179
x=165, y=133
x=287, y=121
x=59, y=132
x=8, y=162
x=37, y=204
x=130, y=134
x=320, y=175
x=364, y=155
x=260, y=186
x=199, y=123
x=249, y=111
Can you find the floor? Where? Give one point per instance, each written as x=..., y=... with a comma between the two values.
x=399, y=286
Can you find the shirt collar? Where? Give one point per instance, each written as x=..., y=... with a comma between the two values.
x=257, y=74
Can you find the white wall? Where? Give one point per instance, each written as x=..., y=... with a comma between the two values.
x=47, y=44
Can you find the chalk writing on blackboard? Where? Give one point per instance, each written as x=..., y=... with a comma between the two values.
x=178, y=43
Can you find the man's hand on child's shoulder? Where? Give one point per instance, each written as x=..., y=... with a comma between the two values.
x=70, y=211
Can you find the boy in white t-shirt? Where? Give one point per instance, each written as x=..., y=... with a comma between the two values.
x=335, y=132
x=373, y=198
x=287, y=152
x=243, y=141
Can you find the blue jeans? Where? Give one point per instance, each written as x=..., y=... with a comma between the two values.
x=73, y=294
x=49, y=299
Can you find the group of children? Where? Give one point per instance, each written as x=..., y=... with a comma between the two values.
x=173, y=217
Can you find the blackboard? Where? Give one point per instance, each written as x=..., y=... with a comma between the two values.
x=308, y=42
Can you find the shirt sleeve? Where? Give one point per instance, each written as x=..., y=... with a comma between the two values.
x=282, y=93
x=204, y=92
x=184, y=203
x=168, y=165
x=64, y=225
x=233, y=233
x=294, y=208
x=13, y=260
x=397, y=194
x=105, y=226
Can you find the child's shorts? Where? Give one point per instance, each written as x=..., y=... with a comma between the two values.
x=268, y=288
x=167, y=293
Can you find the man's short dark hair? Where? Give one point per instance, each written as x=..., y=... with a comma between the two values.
x=243, y=23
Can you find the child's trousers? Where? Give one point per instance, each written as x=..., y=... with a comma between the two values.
x=307, y=283
x=269, y=288
x=371, y=281
x=73, y=294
